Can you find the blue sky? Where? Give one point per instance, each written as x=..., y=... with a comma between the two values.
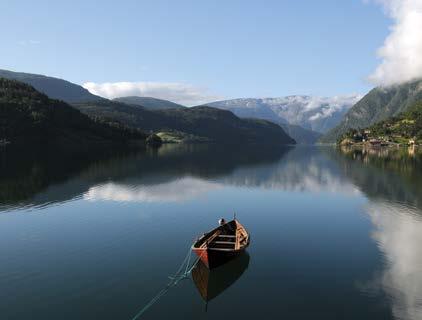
x=225, y=48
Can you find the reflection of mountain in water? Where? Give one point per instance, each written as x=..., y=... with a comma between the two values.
x=382, y=174
x=211, y=283
x=391, y=179
x=183, y=172
x=301, y=169
x=50, y=178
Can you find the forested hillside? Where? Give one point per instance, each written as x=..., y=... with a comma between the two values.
x=379, y=104
x=403, y=128
x=206, y=124
x=212, y=124
x=53, y=87
x=30, y=117
x=149, y=102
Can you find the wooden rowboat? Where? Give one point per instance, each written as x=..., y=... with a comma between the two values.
x=221, y=244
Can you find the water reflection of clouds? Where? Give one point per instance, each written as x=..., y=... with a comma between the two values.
x=399, y=236
x=178, y=190
x=279, y=177
x=293, y=177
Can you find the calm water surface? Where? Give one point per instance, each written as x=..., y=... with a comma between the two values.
x=335, y=235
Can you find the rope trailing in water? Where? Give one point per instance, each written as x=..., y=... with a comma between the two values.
x=174, y=280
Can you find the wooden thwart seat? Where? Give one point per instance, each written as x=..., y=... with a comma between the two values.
x=226, y=236
x=222, y=242
x=220, y=249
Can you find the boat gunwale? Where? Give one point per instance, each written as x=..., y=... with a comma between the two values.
x=201, y=244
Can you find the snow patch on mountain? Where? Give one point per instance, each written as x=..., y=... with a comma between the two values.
x=316, y=113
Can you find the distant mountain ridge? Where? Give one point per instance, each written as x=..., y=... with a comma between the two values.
x=28, y=117
x=149, y=102
x=210, y=123
x=55, y=88
x=301, y=135
x=318, y=114
x=379, y=104
x=298, y=133
x=305, y=118
x=216, y=125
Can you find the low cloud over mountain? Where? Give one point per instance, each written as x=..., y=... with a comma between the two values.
x=181, y=93
x=316, y=113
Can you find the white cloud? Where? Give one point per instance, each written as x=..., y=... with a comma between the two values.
x=325, y=107
x=184, y=94
x=312, y=111
x=401, y=58
x=29, y=42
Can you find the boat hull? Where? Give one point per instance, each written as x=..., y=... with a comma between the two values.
x=212, y=259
